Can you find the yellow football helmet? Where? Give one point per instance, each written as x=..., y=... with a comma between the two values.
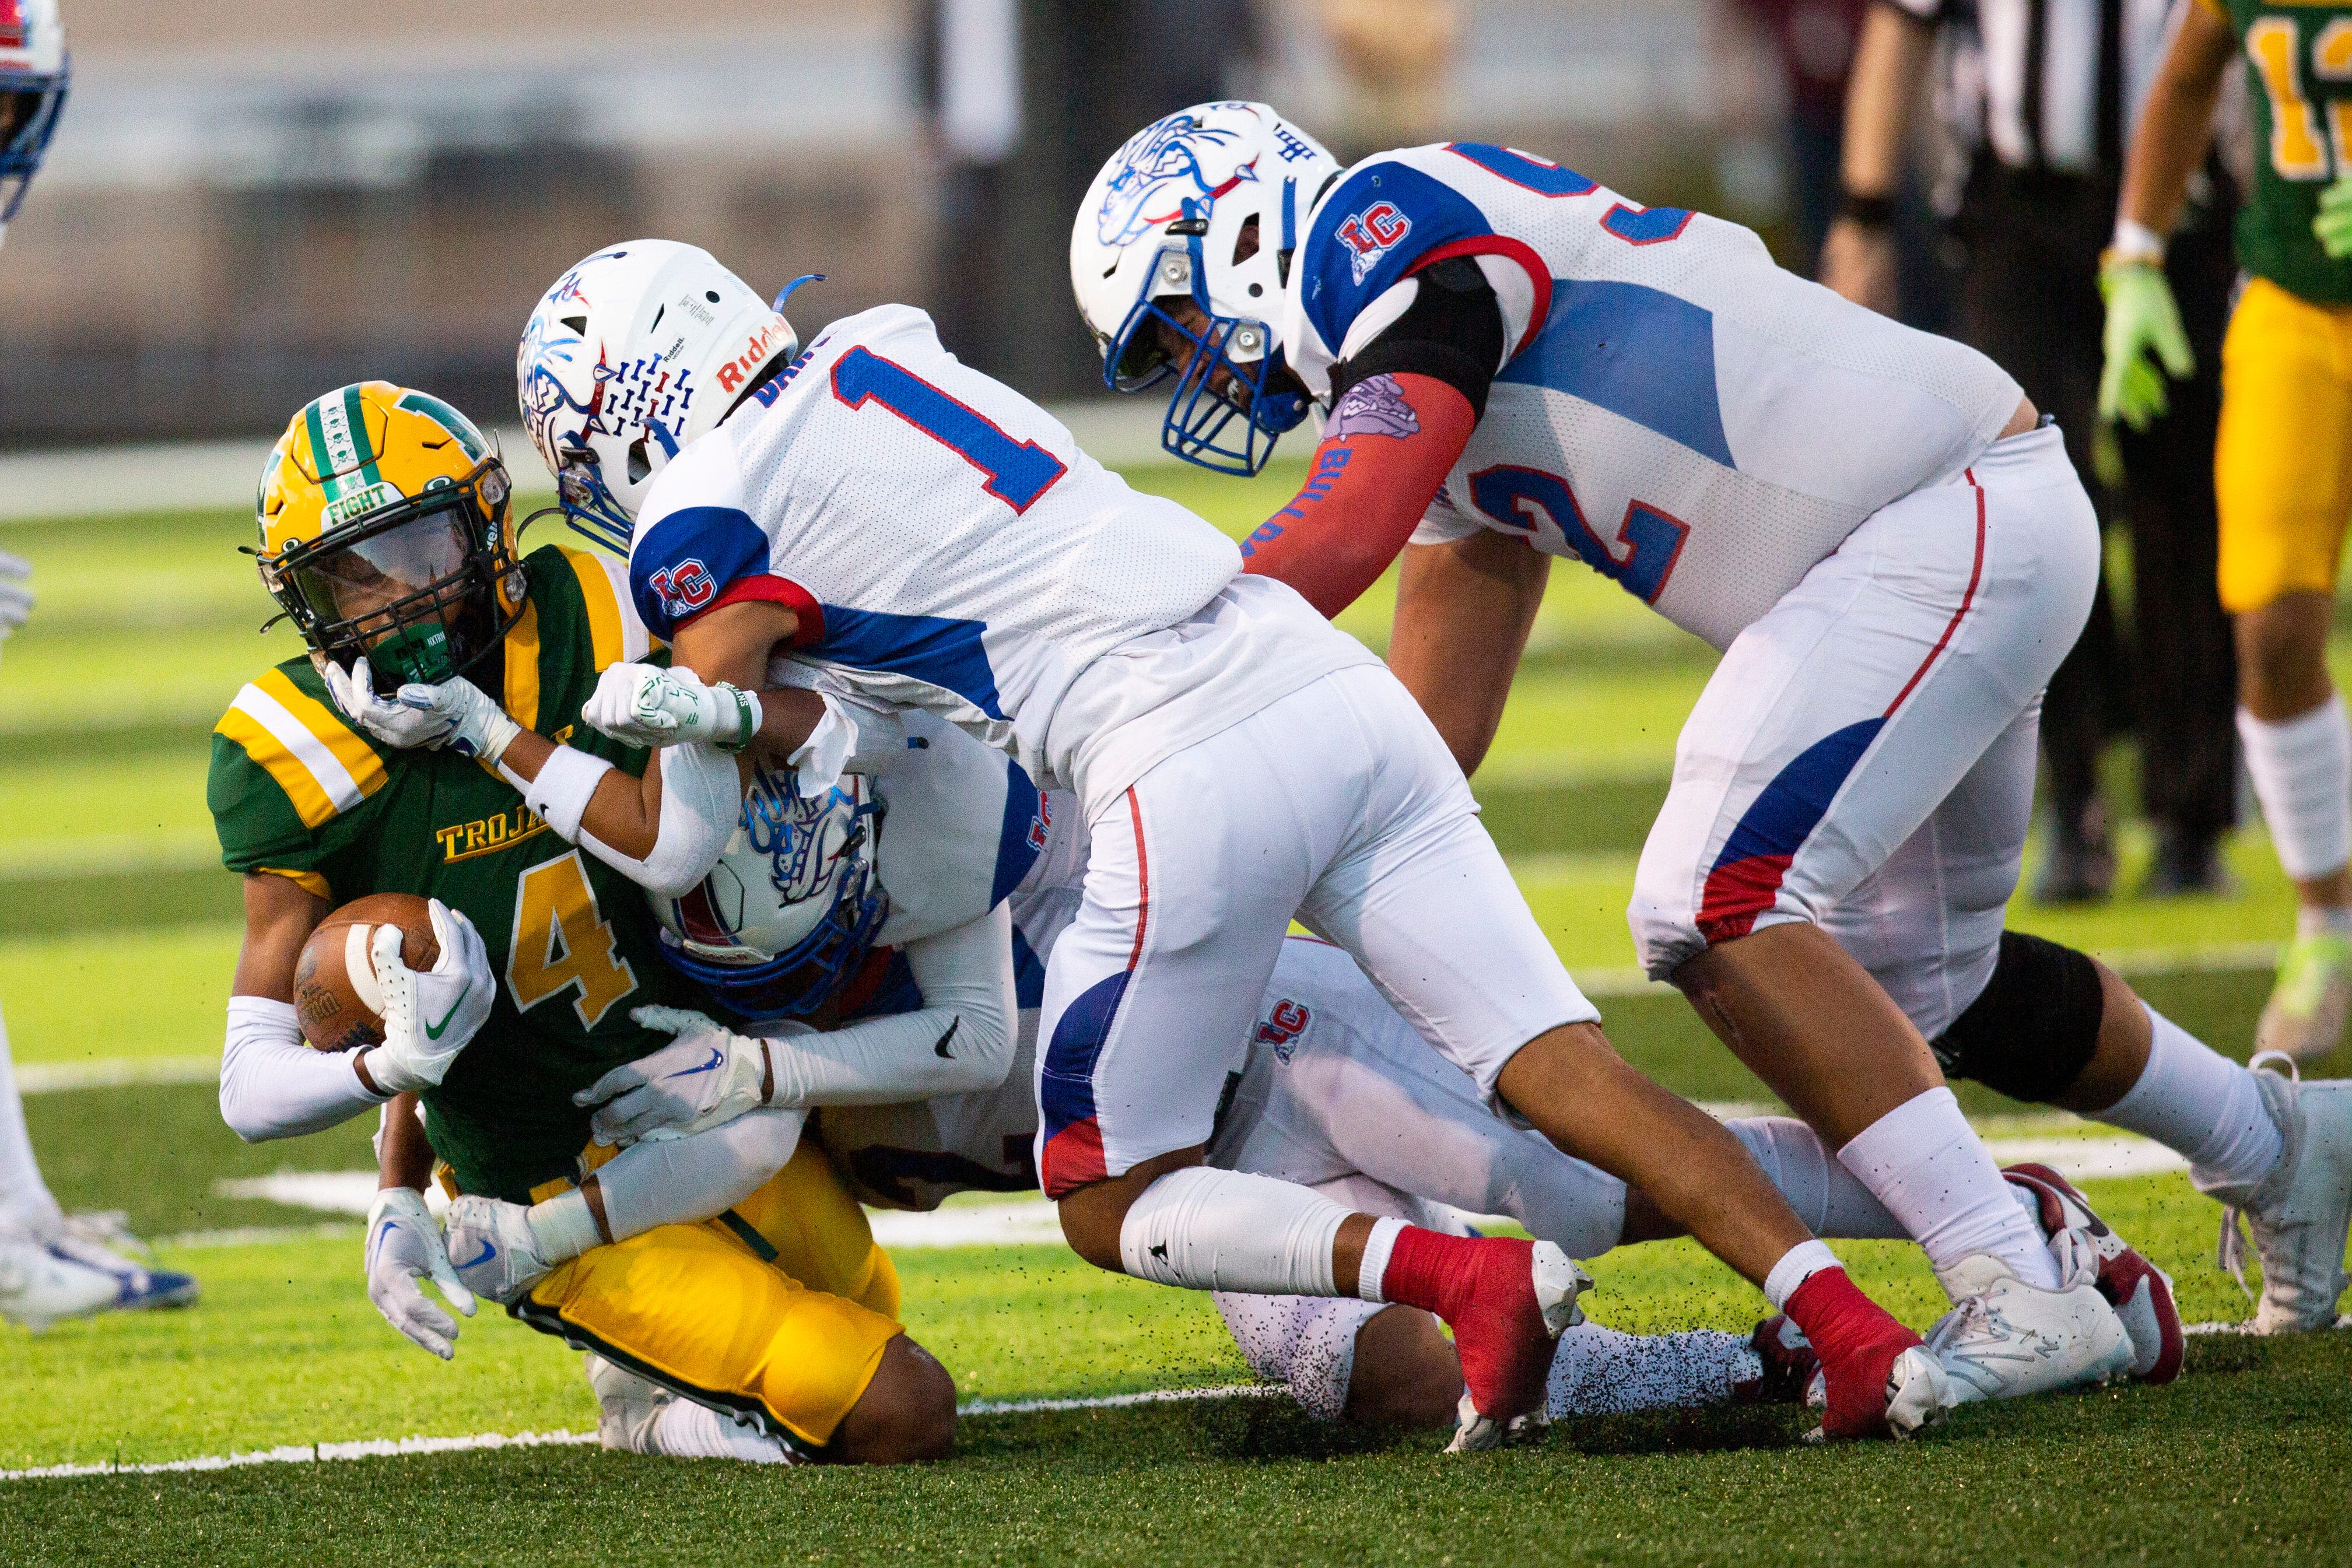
x=384, y=532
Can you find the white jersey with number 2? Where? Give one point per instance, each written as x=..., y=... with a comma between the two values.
x=1674, y=409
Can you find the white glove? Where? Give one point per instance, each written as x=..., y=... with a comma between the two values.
x=474, y=725
x=493, y=1248
x=15, y=599
x=403, y=1246
x=707, y=1076
x=644, y=705
x=429, y=1016
x=387, y=718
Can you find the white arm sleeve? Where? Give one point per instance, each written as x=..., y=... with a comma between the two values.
x=959, y=1041
x=273, y=1086
x=701, y=802
x=675, y=1181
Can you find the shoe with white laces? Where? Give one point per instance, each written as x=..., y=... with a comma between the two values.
x=2299, y=1212
x=2304, y=1017
x=38, y=1288
x=100, y=1242
x=2087, y=1250
x=2007, y=1338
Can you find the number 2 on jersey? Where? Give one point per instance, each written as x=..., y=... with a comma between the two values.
x=1524, y=497
x=563, y=942
x=1018, y=471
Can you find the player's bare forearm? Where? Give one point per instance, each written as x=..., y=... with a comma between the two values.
x=403, y=1157
x=733, y=643
x=2176, y=124
x=1890, y=63
x=279, y=915
x=1462, y=615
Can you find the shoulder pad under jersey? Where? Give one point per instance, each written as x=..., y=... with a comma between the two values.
x=961, y=829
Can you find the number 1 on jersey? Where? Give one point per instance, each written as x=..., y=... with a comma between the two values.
x=1018, y=471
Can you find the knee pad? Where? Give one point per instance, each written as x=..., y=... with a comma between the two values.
x=2034, y=1028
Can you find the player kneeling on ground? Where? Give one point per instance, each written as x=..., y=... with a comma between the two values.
x=730, y=1264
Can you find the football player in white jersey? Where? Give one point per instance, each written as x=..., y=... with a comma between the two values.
x=933, y=540
x=1872, y=523
x=1336, y=1092
x=53, y=1265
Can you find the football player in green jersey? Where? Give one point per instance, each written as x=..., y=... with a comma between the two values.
x=2283, y=463
x=732, y=1261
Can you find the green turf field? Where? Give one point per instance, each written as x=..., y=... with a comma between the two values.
x=117, y=931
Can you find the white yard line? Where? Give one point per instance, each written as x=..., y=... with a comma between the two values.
x=114, y=1072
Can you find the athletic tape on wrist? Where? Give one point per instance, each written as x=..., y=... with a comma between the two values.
x=2133, y=242
x=564, y=1226
x=566, y=782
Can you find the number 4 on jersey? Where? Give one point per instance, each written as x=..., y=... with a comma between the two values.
x=563, y=942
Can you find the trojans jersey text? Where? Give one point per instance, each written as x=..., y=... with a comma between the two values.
x=946, y=546
x=1676, y=409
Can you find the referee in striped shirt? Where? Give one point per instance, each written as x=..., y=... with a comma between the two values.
x=2042, y=95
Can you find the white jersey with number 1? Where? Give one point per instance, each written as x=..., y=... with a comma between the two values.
x=945, y=545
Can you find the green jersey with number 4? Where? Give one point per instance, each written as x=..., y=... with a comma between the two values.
x=298, y=790
x=2299, y=71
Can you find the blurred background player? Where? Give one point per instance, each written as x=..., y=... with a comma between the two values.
x=2282, y=465
x=53, y=1265
x=2041, y=97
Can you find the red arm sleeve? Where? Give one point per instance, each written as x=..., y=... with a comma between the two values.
x=1389, y=445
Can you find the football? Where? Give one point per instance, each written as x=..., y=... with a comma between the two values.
x=336, y=998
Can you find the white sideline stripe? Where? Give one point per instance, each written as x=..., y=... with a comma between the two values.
x=260, y=1236
x=396, y=1448
x=114, y=1072
x=330, y=1192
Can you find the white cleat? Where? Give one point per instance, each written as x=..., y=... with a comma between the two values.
x=2007, y=1338
x=2299, y=1212
x=38, y=1288
x=1919, y=1392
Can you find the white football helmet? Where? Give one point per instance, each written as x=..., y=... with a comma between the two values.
x=792, y=908
x=634, y=353
x=1206, y=205
x=33, y=70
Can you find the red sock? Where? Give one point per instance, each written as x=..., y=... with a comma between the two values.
x=1857, y=1341
x=1484, y=1287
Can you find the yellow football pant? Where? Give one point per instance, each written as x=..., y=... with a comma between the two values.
x=2282, y=464
x=777, y=1310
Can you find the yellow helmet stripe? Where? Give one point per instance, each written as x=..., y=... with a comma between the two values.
x=358, y=757
x=318, y=784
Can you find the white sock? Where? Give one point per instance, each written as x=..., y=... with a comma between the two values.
x=2302, y=770
x=685, y=1430
x=1826, y=1196
x=2202, y=1105
x=1373, y=1273
x=1226, y=1230
x=24, y=1200
x=1599, y=1371
x=1927, y=1165
x=1797, y=1265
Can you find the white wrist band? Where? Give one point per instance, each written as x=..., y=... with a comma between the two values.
x=2135, y=241
x=566, y=782
x=564, y=1226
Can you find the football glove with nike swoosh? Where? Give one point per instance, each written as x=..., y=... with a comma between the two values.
x=403, y=1247
x=428, y=1017
x=493, y=1248
x=707, y=1076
